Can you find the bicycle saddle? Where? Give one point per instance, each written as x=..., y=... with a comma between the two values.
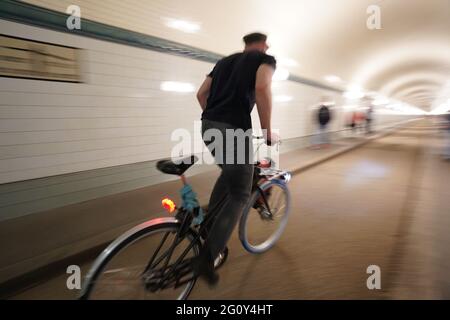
x=178, y=167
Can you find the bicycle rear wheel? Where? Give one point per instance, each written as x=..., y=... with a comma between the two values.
x=263, y=222
x=140, y=265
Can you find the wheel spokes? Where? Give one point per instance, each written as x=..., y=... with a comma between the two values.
x=166, y=275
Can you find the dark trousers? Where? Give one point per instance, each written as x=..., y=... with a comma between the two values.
x=232, y=189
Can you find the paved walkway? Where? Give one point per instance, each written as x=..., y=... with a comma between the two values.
x=74, y=230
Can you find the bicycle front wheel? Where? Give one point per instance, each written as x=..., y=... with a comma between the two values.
x=265, y=217
x=150, y=262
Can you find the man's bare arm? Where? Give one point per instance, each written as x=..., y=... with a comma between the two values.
x=263, y=93
x=203, y=92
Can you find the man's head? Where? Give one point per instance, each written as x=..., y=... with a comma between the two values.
x=256, y=41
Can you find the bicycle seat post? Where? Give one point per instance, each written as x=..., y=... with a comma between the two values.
x=183, y=179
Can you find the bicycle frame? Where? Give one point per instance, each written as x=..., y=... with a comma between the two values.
x=186, y=217
x=159, y=273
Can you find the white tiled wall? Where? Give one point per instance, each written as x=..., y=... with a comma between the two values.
x=118, y=115
x=137, y=15
x=149, y=17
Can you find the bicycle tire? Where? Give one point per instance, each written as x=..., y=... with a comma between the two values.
x=127, y=239
x=243, y=224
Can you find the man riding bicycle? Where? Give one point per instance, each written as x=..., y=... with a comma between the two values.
x=227, y=97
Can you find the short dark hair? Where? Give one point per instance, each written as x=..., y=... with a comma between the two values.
x=254, y=37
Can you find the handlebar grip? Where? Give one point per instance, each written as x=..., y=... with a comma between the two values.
x=262, y=138
x=276, y=143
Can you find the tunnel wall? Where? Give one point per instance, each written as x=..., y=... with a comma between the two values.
x=64, y=143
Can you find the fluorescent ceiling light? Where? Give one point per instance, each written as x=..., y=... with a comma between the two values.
x=333, y=79
x=173, y=86
x=380, y=101
x=443, y=108
x=183, y=25
x=354, y=92
x=404, y=108
x=282, y=98
x=281, y=74
x=287, y=62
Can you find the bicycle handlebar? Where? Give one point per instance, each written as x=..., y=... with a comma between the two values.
x=262, y=138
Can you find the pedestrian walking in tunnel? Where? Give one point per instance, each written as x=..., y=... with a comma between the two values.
x=447, y=136
x=369, y=119
x=357, y=122
x=323, y=118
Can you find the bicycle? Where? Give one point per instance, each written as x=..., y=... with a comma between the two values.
x=177, y=240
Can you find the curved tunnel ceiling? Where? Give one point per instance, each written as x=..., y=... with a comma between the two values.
x=411, y=50
x=315, y=38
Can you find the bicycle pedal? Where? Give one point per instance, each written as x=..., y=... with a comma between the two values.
x=265, y=214
x=152, y=282
x=204, y=235
x=220, y=260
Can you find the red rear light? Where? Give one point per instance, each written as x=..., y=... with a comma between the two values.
x=169, y=205
x=265, y=163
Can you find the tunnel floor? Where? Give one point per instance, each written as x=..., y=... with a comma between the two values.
x=386, y=204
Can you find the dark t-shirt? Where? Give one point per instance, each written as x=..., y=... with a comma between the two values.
x=324, y=115
x=232, y=93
